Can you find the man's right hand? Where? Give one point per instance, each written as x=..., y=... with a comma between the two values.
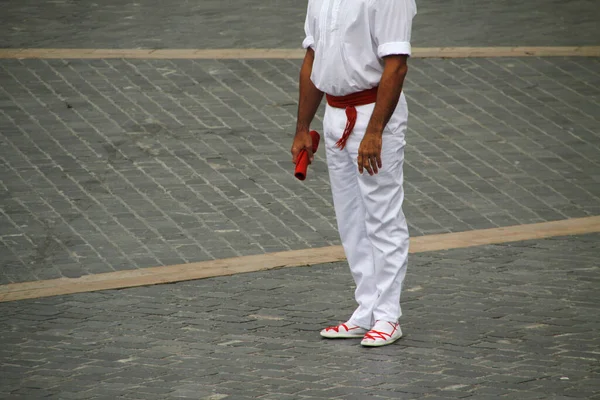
x=302, y=141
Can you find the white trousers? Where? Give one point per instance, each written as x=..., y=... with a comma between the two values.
x=368, y=209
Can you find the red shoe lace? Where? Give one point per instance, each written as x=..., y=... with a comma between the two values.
x=380, y=335
x=337, y=328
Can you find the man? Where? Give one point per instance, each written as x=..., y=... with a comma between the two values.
x=356, y=54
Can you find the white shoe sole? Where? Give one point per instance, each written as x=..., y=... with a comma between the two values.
x=372, y=343
x=341, y=336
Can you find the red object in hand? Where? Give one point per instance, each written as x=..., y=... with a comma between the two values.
x=302, y=163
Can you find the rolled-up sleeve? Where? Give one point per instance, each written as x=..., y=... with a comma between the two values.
x=309, y=39
x=391, y=24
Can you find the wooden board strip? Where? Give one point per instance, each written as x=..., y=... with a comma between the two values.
x=296, y=258
x=419, y=52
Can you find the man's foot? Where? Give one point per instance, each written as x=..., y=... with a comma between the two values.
x=381, y=334
x=343, y=331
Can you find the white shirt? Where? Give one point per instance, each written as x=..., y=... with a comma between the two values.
x=350, y=38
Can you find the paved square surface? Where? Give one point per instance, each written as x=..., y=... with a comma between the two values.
x=516, y=321
x=279, y=23
x=117, y=164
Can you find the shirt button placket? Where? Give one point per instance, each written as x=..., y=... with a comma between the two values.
x=324, y=21
x=335, y=16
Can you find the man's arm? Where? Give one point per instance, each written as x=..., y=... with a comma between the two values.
x=388, y=94
x=308, y=102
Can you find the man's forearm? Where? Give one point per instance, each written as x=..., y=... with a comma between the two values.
x=388, y=94
x=310, y=97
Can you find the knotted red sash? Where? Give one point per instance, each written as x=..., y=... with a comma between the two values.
x=350, y=102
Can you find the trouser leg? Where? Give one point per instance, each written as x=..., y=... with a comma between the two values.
x=372, y=226
x=350, y=215
x=387, y=231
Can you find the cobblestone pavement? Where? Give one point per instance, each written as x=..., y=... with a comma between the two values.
x=117, y=164
x=515, y=321
x=279, y=23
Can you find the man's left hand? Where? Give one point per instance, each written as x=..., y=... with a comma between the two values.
x=369, y=153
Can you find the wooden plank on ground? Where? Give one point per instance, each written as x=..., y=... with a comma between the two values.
x=296, y=258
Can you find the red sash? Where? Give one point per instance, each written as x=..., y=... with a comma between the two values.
x=349, y=102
